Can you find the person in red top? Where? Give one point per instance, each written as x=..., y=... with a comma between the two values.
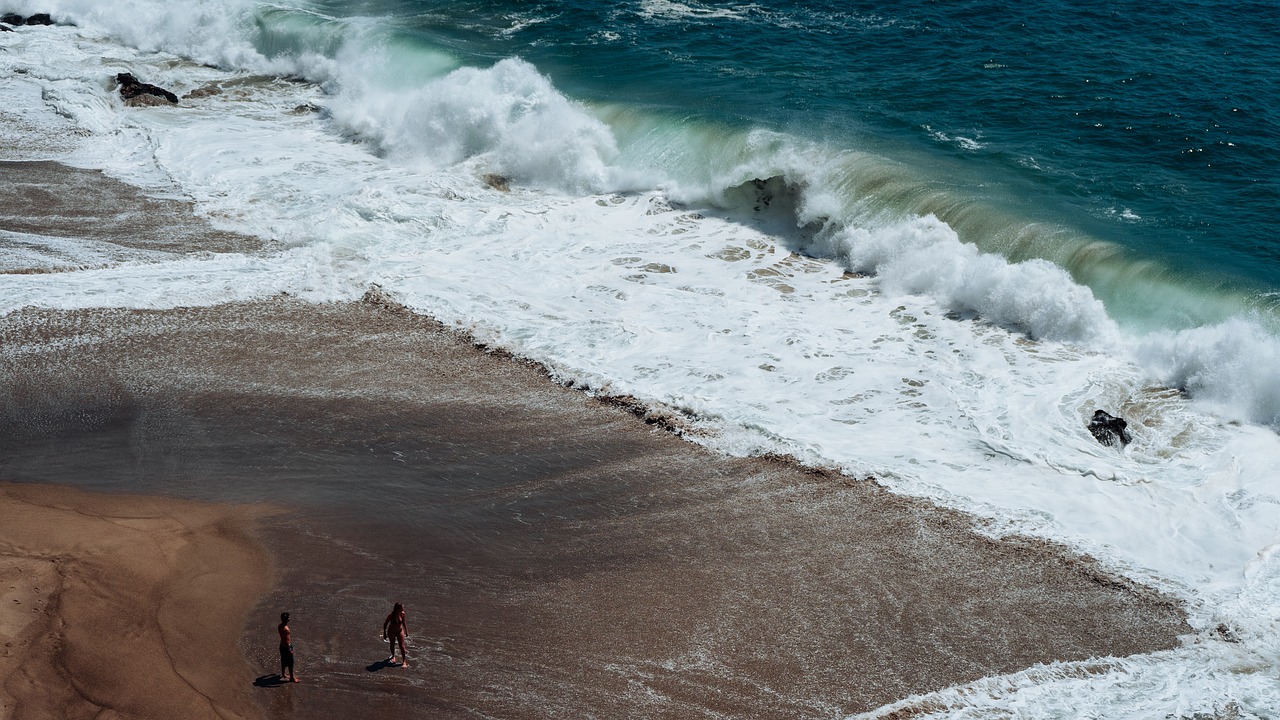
x=395, y=630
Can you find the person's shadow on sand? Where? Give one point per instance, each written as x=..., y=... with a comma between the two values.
x=270, y=681
x=382, y=665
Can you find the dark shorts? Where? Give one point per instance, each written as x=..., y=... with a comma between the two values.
x=286, y=655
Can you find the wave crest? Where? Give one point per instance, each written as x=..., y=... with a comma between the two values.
x=925, y=256
x=1232, y=367
x=508, y=118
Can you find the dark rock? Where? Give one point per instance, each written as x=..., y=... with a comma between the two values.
x=1109, y=429
x=5, y=28
x=1223, y=632
x=40, y=19
x=148, y=100
x=12, y=19
x=140, y=93
x=203, y=92
x=497, y=182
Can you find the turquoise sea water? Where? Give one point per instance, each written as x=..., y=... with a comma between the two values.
x=1151, y=127
x=1133, y=147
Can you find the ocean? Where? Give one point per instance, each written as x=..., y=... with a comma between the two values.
x=921, y=241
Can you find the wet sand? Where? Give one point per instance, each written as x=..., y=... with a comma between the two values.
x=558, y=555
x=42, y=204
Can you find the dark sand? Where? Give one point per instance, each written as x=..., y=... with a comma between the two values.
x=558, y=556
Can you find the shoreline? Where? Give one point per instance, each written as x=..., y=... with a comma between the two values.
x=124, y=604
x=559, y=553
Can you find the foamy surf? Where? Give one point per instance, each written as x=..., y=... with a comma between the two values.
x=637, y=256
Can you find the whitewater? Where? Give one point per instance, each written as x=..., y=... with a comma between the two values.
x=770, y=293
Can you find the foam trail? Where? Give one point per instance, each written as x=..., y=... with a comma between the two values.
x=307, y=272
x=20, y=251
x=1227, y=671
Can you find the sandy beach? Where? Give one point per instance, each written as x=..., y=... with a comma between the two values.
x=559, y=554
x=125, y=604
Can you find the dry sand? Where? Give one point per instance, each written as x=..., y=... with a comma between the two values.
x=122, y=606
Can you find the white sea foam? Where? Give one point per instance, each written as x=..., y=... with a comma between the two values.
x=1232, y=369
x=209, y=31
x=24, y=251
x=207, y=280
x=671, y=10
x=507, y=118
x=948, y=372
x=960, y=141
x=924, y=256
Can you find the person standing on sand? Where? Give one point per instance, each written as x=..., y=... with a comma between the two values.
x=286, y=648
x=394, y=629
